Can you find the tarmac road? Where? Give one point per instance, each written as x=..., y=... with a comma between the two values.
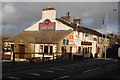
x=84, y=69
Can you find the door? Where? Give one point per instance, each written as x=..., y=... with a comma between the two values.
x=46, y=49
x=70, y=49
x=79, y=50
x=21, y=51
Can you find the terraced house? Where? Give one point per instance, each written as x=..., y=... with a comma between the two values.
x=53, y=36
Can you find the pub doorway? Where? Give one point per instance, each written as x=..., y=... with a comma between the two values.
x=21, y=50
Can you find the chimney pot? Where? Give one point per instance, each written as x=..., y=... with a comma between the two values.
x=68, y=14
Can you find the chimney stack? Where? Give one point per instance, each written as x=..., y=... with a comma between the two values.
x=67, y=17
x=77, y=21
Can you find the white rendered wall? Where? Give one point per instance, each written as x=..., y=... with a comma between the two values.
x=54, y=49
x=61, y=26
x=37, y=48
x=51, y=15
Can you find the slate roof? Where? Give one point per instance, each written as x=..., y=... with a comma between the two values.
x=42, y=36
x=80, y=28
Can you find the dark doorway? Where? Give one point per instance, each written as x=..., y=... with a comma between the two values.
x=79, y=50
x=12, y=46
x=70, y=49
x=63, y=49
x=46, y=49
x=21, y=50
x=51, y=49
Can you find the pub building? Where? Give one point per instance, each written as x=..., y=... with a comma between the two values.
x=55, y=36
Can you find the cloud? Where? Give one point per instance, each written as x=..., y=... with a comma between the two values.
x=88, y=21
x=9, y=27
x=108, y=30
x=8, y=9
x=22, y=15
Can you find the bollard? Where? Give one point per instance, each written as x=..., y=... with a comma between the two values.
x=43, y=57
x=53, y=57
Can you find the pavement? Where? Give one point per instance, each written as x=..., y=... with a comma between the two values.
x=59, y=70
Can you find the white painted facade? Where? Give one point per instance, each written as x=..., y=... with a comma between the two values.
x=51, y=15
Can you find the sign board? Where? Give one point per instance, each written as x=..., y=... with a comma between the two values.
x=65, y=41
x=47, y=25
x=86, y=43
x=71, y=37
x=71, y=42
x=105, y=44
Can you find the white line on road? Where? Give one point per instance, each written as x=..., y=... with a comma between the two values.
x=57, y=69
x=34, y=74
x=87, y=71
x=61, y=77
x=48, y=71
x=97, y=68
x=110, y=65
x=92, y=70
x=13, y=78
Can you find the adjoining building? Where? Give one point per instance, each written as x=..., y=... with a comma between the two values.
x=51, y=35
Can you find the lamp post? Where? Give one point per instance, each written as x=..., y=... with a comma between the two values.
x=106, y=33
x=106, y=14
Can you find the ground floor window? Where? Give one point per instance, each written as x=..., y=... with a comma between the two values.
x=63, y=49
x=46, y=49
x=51, y=49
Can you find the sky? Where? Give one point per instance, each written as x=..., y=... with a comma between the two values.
x=17, y=16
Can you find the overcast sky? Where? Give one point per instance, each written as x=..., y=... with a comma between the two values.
x=17, y=16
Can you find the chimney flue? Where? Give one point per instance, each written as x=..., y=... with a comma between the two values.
x=68, y=14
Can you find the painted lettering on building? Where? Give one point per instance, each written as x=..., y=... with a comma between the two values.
x=47, y=25
x=86, y=43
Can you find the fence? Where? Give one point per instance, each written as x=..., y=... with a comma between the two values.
x=44, y=57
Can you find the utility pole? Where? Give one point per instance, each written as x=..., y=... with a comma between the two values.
x=106, y=33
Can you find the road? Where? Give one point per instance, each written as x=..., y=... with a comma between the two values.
x=83, y=69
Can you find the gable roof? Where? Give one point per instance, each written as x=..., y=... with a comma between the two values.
x=43, y=36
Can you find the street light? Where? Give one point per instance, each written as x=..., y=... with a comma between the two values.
x=106, y=14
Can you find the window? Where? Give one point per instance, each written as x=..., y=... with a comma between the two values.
x=46, y=49
x=51, y=49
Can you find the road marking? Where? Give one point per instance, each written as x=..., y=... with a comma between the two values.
x=61, y=77
x=34, y=74
x=13, y=78
x=48, y=71
x=57, y=69
x=87, y=71
x=92, y=70
x=97, y=68
x=110, y=65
